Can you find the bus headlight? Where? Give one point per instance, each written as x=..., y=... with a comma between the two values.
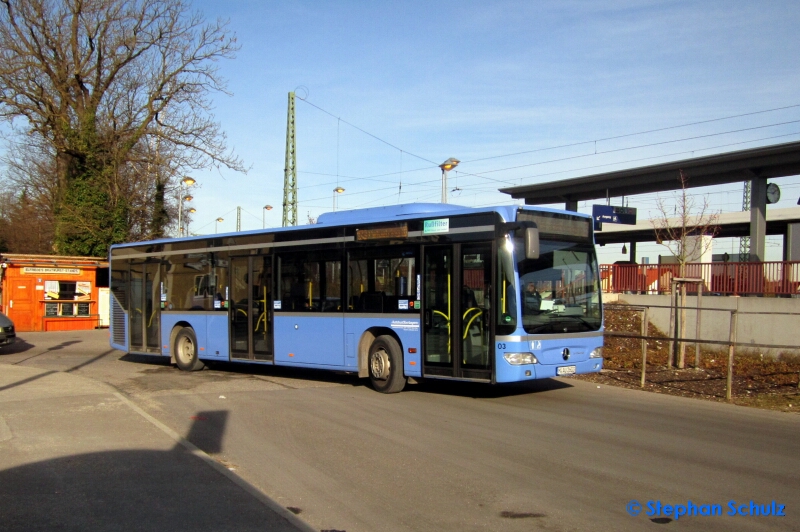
x=597, y=353
x=518, y=359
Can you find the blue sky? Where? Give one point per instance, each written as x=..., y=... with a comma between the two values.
x=482, y=80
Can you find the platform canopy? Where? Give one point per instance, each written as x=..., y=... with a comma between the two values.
x=780, y=160
x=756, y=165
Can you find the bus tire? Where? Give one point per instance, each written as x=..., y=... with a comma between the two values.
x=386, y=365
x=185, y=350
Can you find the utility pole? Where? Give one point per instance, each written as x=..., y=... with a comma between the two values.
x=290, y=170
x=238, y=219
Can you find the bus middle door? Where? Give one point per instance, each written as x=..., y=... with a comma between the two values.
x=456, y=337
x=251, y=308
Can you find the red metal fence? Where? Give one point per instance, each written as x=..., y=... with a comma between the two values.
x=723, y=278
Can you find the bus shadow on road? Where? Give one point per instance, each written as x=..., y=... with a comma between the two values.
x=149, y=360
x=433, y=386
x=256, y=370
x=486, y=391
x=289, y=372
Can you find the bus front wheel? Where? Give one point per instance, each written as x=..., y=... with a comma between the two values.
x=185, y=350
x=386, y=365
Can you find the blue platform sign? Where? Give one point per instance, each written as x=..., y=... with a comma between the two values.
x=613, y=215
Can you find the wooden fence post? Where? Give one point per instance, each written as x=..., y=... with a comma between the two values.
x=644, y=344
x=697, y=333
x=672, y=329
x=732, y=341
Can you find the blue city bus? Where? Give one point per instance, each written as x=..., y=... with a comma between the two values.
x=423, y=291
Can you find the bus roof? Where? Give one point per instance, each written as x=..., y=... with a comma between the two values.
x=388, y=213
x=391, y=213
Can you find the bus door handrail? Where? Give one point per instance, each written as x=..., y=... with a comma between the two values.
x=479, y=312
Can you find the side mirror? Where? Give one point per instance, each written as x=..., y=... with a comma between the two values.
x=531, y=243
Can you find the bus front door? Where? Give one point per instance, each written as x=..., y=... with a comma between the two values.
x=251, y=308
x=457, y=330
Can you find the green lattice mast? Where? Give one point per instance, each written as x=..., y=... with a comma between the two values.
x=290, y=170
x=744, y=241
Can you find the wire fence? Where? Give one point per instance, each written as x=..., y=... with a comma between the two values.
x=678, y=341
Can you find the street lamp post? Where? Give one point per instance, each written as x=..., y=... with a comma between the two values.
x=337, y=190
x=190, y=210
x=264, y=216
x=446, y=166
x=216, y=224
x=187, y=181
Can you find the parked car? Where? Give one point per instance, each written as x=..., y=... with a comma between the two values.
x=7, y=333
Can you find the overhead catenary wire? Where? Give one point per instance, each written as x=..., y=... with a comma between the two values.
x=626, y=135
x=730, y=117
x=640, y=146
x=641, y=159
x=432, y=183
x=366, y=132
x=583, y=156
x=429, y=183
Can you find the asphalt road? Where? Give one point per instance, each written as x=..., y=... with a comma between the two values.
x=553, y=455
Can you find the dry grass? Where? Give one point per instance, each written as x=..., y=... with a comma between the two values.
x=760, y=381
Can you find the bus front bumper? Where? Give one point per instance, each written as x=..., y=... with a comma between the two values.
x=507, y=372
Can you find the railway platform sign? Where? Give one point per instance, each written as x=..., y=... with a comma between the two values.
x=613, y=215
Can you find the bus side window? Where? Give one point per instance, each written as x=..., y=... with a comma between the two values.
x=382, y=280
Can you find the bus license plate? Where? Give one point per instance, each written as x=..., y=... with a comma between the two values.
x=565, y=370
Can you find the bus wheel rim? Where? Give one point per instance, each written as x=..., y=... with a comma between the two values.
x=185, y=350
x=379, y=365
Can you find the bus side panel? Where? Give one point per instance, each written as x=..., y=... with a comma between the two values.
x=210, y=328
x=217, y=343
x=550, y=354
x=309, y=339
x=407, y=329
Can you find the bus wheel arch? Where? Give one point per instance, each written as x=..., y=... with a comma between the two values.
x=364, y=344
x=185, y=351
x=382, y=360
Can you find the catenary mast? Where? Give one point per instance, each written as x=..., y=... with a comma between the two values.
x=290, y=170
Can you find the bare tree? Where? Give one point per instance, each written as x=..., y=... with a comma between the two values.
x=102, y=81
x=30, y=166
x=28, y=203
x=687, y=235
x=24, y=226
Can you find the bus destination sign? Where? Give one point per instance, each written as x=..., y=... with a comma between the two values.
x=383, y=233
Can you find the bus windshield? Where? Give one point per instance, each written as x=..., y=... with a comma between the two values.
x=559, y=291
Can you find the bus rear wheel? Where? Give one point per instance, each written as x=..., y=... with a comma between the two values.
x=185, y=350
x=386, y=365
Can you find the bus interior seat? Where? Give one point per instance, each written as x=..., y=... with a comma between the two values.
x=354, y=303
x=371, y=301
